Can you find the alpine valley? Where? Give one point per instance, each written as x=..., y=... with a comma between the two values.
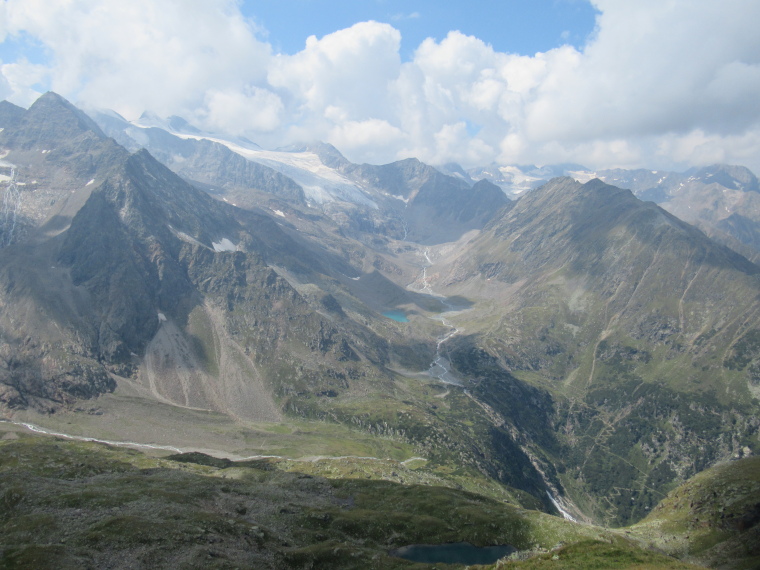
x=321, y=361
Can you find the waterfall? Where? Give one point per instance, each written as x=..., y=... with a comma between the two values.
x=562, y=511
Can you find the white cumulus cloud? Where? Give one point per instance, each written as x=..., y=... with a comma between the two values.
x=345, y=74
x=137, y=55
x=660, y=83
x=240, y=112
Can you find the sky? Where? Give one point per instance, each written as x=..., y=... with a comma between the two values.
x=516, y=26
x=660, y=84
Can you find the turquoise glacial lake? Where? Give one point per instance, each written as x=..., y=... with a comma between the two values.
x=399, y=316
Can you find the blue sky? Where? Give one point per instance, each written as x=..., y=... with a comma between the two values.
x=660, y=84
x=512, y=26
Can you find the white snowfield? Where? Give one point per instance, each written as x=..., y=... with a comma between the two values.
x=582, y=176
x=521, y=182
x=320, y=183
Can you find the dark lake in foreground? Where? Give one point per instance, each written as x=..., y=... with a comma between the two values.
x=456, y=553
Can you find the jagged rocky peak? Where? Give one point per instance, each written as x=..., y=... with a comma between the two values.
x=562, y=191
x=51, y=120
x=328, y=154
x=173, y=123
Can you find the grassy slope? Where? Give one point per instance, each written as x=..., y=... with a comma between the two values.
x=641, y=331
x=314, y=446
x=712, y=519
x=83, y=505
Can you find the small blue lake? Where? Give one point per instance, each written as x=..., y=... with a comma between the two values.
x=399, y=316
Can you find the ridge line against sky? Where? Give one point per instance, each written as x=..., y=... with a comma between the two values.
x=664, y=84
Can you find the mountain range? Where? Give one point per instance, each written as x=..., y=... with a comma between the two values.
x=576, y=350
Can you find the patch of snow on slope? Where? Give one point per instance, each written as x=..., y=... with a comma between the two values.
x=582, y=176
x=519, y=181
x=224, y=245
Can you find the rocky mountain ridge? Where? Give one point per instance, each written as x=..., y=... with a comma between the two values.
x=403, y=200
x=596, y=348
x=143, y=249
x=720, y=199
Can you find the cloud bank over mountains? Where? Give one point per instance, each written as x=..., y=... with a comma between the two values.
x=661, y=83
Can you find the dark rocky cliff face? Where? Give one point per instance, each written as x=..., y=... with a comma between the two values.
x=436, y=208
x=141, y=247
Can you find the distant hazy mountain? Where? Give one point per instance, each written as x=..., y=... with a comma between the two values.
x=402, y=200
x=516, y=180
x=722, y=200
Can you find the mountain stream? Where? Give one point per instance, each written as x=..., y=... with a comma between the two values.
x=440, y=368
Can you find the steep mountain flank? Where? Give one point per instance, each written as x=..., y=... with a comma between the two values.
x=641, y=326
x=613, y=263
x=432, y=207
x=52, y=157
x=10, y=114
x=149, y=266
